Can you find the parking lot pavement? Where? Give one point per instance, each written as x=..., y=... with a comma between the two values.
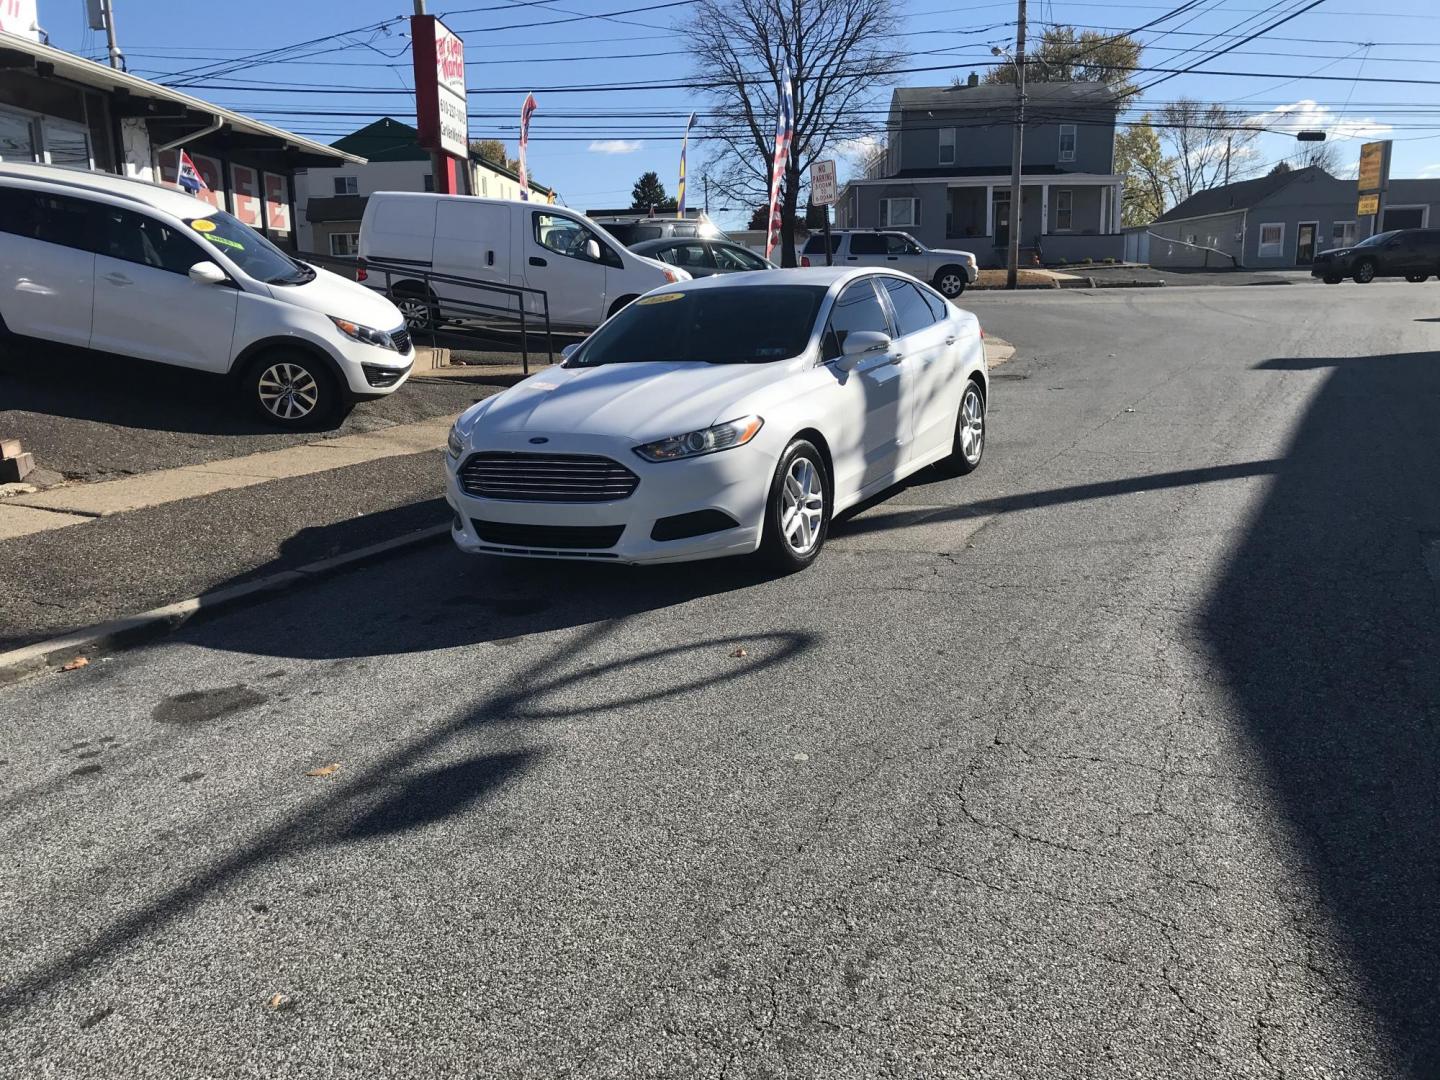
x=1114, y=759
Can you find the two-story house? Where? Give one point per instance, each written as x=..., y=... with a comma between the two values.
x=944, y=175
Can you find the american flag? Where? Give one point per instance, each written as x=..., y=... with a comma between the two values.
x=784, y=129
x=525, y=111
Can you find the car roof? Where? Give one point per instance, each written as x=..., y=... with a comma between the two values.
x=157, y=196
x=800, y=275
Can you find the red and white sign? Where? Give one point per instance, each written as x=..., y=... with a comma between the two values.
x=19, y=17
x=439, y=57
x=277, y=203
x=822, y=183
x=246, y=194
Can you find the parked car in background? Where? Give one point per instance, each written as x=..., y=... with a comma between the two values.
x=130, y=267
x=947, y=270
x=633, y=229
x=1413, y=254
x=703, y=257
x=586, y=274
x=723, y=416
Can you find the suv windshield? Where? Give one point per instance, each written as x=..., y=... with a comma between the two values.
x=1378, y=238
x=754, y=325
x=250, y=251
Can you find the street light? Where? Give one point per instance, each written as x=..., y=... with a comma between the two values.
x=1012, y=261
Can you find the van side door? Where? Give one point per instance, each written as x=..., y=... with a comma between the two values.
x=570, y=262
x=47, y=265
x=472, y=240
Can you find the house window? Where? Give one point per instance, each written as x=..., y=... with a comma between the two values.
x=1272, y=240
x=1064, y=210
x=347, y=185
x=947, y=146
x=1342, y=234
x=345, y=244
x=427, y=182
x=897, y=213
x=1067, y=142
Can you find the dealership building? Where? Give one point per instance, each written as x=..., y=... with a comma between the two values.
x=61, y=109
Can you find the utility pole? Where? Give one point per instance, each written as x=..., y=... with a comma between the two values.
x=1227, y=157
x=102, y=17
x=1012, y=273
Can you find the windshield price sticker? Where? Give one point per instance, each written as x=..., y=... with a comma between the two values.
x=203, y=225
x=226, y=242
x=663, y=298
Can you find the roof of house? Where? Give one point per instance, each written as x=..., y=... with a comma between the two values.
x=998, y=96
x=336, y=208
x=1241, y=195
x=387, y=139
x=102, y=77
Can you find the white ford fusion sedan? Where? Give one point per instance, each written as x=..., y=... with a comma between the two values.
x=722, y=416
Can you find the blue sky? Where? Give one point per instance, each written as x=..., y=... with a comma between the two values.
x=594, y=159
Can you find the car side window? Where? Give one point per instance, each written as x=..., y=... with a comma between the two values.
x=136, y=238
x=938, y=307
x=896, y=244
x=867, y=244
x=692, y=256
x=733, y=258
x=56, y=219
x=569, y=238
x=857, y=308
x=912, y=313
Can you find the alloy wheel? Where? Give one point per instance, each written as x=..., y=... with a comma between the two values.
x=288, y=391
x=972, y=425
x=1365, y=272
x=802, y=506
x=951, y=285
x=416, y=311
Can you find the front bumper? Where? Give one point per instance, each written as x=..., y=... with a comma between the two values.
x=372, y=372
x=733, y=482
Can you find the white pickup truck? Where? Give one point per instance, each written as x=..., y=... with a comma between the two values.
x=949, y=271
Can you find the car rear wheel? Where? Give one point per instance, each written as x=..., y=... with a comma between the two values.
x=797, y=513
x=1332, y=279
x=969, y=445
x=950, y=282
x=1416, y=278
x=293, y=390
x=1365, y=271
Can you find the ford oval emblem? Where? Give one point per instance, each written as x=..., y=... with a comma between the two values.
x=539, y=439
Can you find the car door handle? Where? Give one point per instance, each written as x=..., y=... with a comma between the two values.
x=852, y=258
x=897, y=357
x=535, y=260
x=489, y=258
x=892, y=258
x=118, y=279
x=950, y=340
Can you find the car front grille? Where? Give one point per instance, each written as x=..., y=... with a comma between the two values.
x=546, y=477
x=401, y=339
x=547, y=537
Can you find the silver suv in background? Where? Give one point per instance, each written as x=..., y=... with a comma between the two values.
x=949, y=271
x=634, y=228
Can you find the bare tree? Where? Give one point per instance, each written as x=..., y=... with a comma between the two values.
x=1324, y=155
x=1209, y=143
x=840, y=56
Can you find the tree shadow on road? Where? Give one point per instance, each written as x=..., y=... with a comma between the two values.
x=1326, y=624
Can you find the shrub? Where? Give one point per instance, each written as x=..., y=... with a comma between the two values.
x=1110, y=260
x=1062, y=262
x=1087, y=260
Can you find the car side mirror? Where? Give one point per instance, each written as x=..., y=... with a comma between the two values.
x=570, y=350
x=207, y=273
x=860, y=344
x=592, y=250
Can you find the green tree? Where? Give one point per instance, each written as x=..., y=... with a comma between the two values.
x=649, y=193
x=1149, y=174
x=1063, y=55
x=494, y=150
x=760, y=219
x=1280, y=168
x=815, y=216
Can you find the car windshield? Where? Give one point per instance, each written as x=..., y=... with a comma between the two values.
x=250, y=251
x=753, y=325
x=1378, y=238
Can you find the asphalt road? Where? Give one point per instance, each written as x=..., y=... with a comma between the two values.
x=1115, y=759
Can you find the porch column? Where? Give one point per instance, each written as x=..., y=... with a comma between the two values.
x=1104, y=221
x=989, y=210
x=1117, y=195
x=1044, y=209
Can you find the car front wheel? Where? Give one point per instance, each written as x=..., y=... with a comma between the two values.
x=950, y=282
x=797, y=513
x=1365, y=271
x=292, y=390
x=1332, y=279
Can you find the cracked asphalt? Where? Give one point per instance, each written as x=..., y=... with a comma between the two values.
x=1115, y=759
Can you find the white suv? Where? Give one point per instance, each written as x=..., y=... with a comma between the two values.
x=948, y=271
x=124, y=266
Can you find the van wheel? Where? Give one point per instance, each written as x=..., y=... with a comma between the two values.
x=293, y=390
x=620, y=305
x=417, y=304
x=950, y=282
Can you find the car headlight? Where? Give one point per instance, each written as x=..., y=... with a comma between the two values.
x=709, y=440
x=970, y=258
x=454, y=442
x=366, y=334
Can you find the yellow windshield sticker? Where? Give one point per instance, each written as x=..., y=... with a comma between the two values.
x=227, y=242
x=662, y=298
x=203, y=225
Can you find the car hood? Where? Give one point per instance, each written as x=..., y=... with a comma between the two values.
x=631, y=401
x=1335, y=253
x=331, y=294
x=948, y=251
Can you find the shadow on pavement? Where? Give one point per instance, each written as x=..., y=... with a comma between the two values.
x=1326, y=625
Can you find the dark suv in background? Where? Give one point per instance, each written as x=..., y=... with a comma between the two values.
x=1413, y=254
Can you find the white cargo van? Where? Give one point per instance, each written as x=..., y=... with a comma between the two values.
x=586, y=274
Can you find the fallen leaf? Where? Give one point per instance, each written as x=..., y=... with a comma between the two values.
x=78, y=662
x=739, y=653
x=323, y=770
x=279, y=1001
x=802, y=757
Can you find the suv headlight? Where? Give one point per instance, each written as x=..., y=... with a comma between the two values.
x=454, y=442
x=709, y=440
x=366, y=334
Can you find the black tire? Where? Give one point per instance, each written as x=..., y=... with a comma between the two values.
x=1415, y=279
x=310, y=399
x=776, y=551
x=1332, y=279
x=950, y=281
x=418, y=305
x=1365, y=271
x=620, y=305
x=967, y=453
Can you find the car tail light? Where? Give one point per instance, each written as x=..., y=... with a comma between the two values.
x=360, y=273
x=982, y=333
x=804, y=260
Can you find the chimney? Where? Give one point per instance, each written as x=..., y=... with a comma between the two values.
x=973, y=80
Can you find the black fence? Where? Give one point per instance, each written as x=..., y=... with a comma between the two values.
x=470, y=310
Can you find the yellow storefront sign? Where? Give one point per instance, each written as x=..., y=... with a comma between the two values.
x=1372, y=166
x=1368, y=204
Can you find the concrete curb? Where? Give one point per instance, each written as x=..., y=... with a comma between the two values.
x=148, y=625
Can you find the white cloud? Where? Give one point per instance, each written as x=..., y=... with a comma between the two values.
x=858, y=150
x=1311, y=116
x=1430, y=172
x=616, y=146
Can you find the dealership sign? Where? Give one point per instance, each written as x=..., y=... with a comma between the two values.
x=18, y=17
x=439, y=86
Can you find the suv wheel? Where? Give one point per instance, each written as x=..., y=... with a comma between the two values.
x=950, y=282
x=292, y=390
x=1416, y=278
x=1365, y=271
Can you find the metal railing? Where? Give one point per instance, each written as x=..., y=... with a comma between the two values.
x=475, y=312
